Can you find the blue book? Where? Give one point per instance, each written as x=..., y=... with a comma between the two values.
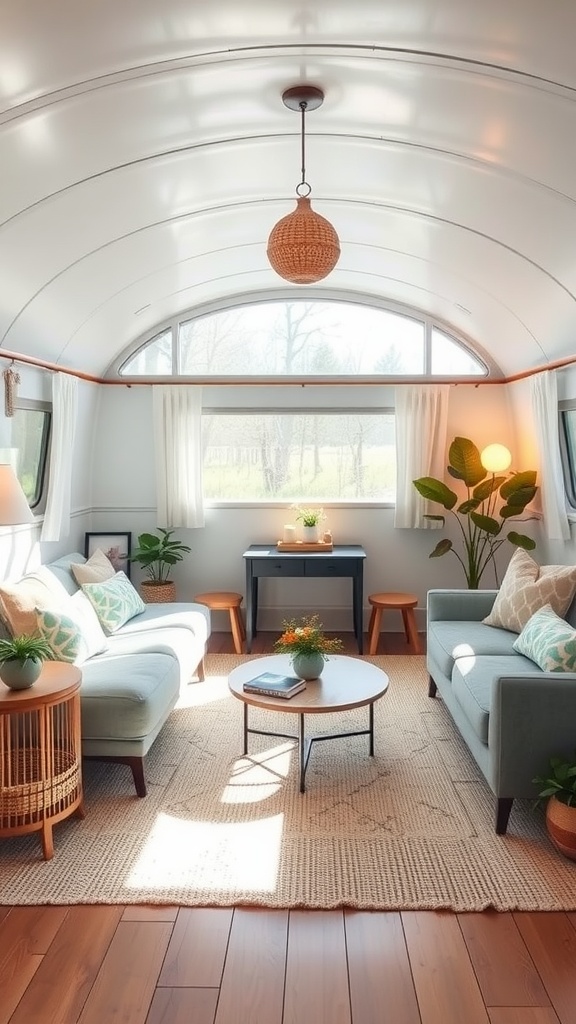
x=269, y=684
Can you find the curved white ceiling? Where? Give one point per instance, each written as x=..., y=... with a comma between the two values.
x=146, y=155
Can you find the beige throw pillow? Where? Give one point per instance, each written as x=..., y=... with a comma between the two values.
x=527, y=587
x=19, y=600
x=97, y=569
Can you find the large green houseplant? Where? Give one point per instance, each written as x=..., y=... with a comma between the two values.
x=491, y=502
x=157, y=554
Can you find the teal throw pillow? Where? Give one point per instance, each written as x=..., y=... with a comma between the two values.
x=115, y=601
x=549, y=641
x=63, y=635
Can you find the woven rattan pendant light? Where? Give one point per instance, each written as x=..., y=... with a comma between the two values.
x=303, y=247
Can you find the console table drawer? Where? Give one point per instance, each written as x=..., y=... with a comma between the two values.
x=334, y=567
x=282, y=567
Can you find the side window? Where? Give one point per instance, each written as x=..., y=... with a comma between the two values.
x=568, y=451
x=25, y=445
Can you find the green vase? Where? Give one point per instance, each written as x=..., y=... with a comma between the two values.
x=19, y=675
x=308, y=666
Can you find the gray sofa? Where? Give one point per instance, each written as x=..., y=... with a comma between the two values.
x=512, y=715
x=129, y=689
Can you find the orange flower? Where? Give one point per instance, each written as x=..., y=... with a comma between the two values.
x=306, y=638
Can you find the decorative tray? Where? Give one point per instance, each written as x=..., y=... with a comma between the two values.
x=301, y=545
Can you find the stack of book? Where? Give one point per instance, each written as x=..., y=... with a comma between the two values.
x=269, y=684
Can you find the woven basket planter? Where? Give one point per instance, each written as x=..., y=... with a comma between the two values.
x=561, y=825
x=158, y=593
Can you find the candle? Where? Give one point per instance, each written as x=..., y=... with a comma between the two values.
x=289, y=534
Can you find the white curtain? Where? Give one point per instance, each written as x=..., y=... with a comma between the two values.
x=64, y=406
x=544, y=391
x=178, y=451
x=421, y=415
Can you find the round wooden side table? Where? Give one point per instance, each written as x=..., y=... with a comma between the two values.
x=40, y=754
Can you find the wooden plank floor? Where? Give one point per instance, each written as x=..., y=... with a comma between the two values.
x=171, y=965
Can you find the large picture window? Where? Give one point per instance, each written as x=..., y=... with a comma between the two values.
x=25, y=441
x=299, y=456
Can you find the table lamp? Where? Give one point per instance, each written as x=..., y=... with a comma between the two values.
x=14, y=508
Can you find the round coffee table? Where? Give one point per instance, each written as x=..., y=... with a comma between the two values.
x=345, y=683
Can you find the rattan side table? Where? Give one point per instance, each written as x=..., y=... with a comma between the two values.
x=40, y=754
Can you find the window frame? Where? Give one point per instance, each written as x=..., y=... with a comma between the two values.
x=567, y=462
x=37, y=405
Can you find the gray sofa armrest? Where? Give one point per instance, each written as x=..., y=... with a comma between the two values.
x=531, y=720
x=460, y=605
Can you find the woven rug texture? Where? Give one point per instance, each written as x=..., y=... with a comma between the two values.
x=411, y=828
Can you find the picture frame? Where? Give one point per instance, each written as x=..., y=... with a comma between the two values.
x=117, y=546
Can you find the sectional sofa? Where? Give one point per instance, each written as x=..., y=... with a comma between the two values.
x=132, y=684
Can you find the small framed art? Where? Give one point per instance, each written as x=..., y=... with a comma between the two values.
x=116, y=547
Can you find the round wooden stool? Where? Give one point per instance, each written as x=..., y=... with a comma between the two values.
x=405, y=603
x=221, y=600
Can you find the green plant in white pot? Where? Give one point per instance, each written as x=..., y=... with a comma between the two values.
x=157, y=554
x=21, y=660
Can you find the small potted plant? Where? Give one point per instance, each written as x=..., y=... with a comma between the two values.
x=307, y=646
x=310, y=519
x=559, y=786
x=21, y=660
x=157, y=554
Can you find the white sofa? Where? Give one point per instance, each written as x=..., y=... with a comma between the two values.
x=129, y=689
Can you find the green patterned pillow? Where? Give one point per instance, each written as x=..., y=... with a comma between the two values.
x=549, y=641
x=115, y=601
x=63, y=635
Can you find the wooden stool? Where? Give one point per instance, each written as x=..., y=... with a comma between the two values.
x=405, y=603
x=220, y=600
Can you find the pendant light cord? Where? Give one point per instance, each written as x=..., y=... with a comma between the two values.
x=303, y=183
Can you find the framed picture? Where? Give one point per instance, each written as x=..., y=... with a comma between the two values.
x=116, y=547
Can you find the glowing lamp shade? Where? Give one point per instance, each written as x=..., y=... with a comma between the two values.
x=495, y=458
x=14, y=509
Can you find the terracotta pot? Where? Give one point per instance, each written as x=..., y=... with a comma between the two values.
x=561, y=825
x=158, y=593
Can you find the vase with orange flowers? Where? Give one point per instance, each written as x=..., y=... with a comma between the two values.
x=307, y=646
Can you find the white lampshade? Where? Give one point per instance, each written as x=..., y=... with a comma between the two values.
x=14, y=509
x=495, y=458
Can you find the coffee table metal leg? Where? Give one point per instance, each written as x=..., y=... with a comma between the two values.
x=245, y=730
x=371, y=727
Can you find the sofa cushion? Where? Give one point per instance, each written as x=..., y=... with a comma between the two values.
x=472, y=680
x=195, y=617
x=73, y=634
x=526, y=587
x=549, y=641
x=115, y=601
x=61, y=569
x=20, y=599
x=126, y=696
x=448, y=640
x=95, y=570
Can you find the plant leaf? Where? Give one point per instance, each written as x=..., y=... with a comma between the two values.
x=507, y=511
x=486, y=523
x=487, y=487
x=464, y=458
x=468, y=506
x=520, y=498
x=521, y=541
x=517, y=481
x=441, y=548
x=435, y=490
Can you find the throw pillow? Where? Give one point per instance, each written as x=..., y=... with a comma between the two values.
x=74, y=634
x=63, y=635
x=95, y=570
x=549, y=641
x=19, y=600
x=527, y=587
x=115, y=601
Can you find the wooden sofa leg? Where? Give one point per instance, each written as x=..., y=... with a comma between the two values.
x=200, y=671
x=503, y=808
x=432, y=688
x=136, y=764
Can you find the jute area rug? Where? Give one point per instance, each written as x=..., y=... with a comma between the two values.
x=411, y=828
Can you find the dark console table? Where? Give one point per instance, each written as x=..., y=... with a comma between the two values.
x=266, y=560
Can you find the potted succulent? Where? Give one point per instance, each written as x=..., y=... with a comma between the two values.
x=158, y=554
x=21, y=660
x=307, y=646
x=559, y=786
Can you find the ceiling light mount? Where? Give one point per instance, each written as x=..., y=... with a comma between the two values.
x=303, y=247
